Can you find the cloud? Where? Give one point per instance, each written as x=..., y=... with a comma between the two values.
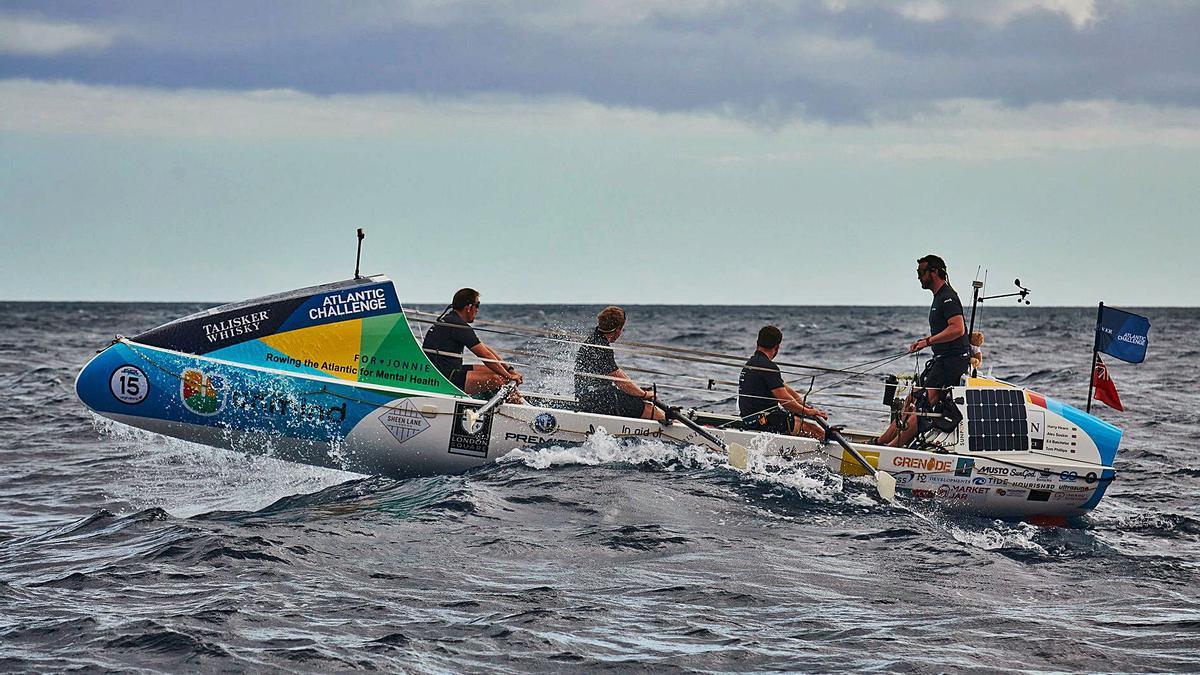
x=962, y=130
x=767, y=63
x=31, y=36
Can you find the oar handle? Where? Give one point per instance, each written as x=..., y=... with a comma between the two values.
x=836, y=435
x=671, y=414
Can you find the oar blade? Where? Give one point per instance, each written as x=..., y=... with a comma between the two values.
x=886, y=484
x=738, y=456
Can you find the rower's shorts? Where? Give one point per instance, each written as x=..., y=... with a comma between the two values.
x=458, y=376
x=775, y=421
x=944, y=371
x=615, y=402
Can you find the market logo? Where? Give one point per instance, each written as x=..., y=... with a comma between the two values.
x=403, y=421
x=202, y=393
x=545, y=424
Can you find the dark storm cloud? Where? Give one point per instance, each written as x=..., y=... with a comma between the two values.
x=764, y=61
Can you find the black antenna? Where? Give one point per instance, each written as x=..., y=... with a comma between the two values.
x=358, y=257
x=978, y=299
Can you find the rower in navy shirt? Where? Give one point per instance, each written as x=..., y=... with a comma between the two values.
x=602, y=387
x=446, y=339
x=765, y=401
x=948, y=340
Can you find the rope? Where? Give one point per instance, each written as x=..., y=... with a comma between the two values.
x=566, y=337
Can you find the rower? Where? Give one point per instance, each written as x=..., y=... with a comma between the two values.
x=765, y=402
x=951, y=351
x=613, y=393
x=451, y=333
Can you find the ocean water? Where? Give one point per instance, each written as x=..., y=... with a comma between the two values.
x=121, y=550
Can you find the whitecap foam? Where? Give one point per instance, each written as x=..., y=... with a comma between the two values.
x=186, y=479
x=604, y=448
x=1000, y=535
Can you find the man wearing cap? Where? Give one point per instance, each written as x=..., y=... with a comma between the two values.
x=600, y=386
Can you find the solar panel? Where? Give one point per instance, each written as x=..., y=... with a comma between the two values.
x=996, y=420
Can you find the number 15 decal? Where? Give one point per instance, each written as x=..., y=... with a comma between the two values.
x=128, y=384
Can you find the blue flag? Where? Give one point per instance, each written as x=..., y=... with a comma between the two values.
x=1122, y=334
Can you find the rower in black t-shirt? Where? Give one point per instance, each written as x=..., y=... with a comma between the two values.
x=600, y=386
x=446, y=339
x=765, y=402
x=948, y=339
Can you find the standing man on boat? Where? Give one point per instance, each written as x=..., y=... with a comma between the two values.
x=765, y=402
x=613, y=393
x=451, y=333
x=948, y=339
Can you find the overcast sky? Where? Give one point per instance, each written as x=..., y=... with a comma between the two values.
x=683, y=151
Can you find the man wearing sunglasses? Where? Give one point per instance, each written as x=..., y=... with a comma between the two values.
x=948, y=340
x=446, y=339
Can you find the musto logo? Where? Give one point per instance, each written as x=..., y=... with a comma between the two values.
x=203, y=394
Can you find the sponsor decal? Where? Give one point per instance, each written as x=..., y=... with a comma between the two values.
x=903, y=477
x=923, y=463
x=527, y=439
x=650, y=433
x=981, y=480
x=285, y=405
x=1036, y=419
x=129, y=385
x=961, y=491
x=545, y=423
x=350, y=303
x=403, y=421
x=234, y=326
x=1039, y=495
x=1074, y=497
x=202, y=393
x=964, y=467
x=1090, y=477
x=462, y=441
x=993, y=470
x=1010, y=492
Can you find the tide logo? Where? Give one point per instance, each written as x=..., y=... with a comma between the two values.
x=202, y=393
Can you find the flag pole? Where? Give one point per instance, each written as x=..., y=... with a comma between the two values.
x=1095, y=352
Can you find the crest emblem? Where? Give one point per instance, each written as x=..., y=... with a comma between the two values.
x=202, y=393
x=545, y=423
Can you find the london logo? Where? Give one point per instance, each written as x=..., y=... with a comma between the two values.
x=202, y=393
x=403, y=421
x=545, y=424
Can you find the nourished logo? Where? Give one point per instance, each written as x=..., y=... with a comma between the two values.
x=202, y=393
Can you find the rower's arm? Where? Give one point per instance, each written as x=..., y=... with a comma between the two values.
x=791, y=401
x=954, y=330
x=491, y=359
x=626, y=385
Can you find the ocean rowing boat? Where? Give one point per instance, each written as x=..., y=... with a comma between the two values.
x=334, y=376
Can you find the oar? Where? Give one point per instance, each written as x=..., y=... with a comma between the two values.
x=736, y=451
x=473, y=415
x=884, y=482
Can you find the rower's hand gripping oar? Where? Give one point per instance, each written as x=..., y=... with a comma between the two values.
x=736, y=451
x=474, y=415
x=884, y=482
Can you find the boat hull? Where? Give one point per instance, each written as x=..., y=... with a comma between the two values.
x=389, y=431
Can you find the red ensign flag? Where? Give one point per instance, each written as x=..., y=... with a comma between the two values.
x=1106, y=390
